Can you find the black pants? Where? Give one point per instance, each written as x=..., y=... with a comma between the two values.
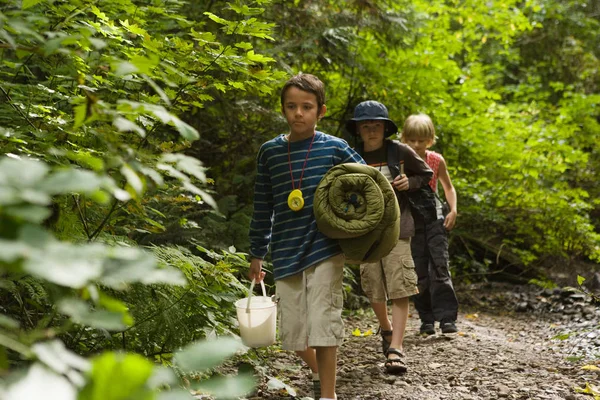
x=436, y=300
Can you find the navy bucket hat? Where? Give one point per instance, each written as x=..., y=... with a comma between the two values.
x=371, y=110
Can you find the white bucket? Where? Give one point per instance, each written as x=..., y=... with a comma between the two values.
x=257, y=316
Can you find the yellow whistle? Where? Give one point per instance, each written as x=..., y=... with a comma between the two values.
x=295, y=200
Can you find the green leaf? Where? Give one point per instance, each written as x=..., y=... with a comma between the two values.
x=244, y=45
x=580, y=280
x=33, y=214
x=9, y=39
x=563, y=336
x=217, y=19
x=164, y=116
x=25, y=4
x=125, y=125
x=220, y=87
x=80, y=112
x=87, y=159
x=207, y=198
x=162, y=376
x=132, y=179
x=38, y=383
x=71, y=181
x=80, y=312
x=207, y=354
x=189, y=165
x=252, y=56
x=144, y=65
x=119, y=377
x=21, y=172
x=157, y=89
x=66, y=264
x=56, y=356
x=96, y=11
x=133, y=28
x=130, y=265
x=275, y=385
x=188, y=132
x=122, y=68
x=237, y=85
x=7, y=322
x=228, y=387
x=175, y=395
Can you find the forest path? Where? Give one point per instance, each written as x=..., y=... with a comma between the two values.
x=511, y=356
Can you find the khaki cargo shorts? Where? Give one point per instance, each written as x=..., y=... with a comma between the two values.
x=310, y=306
x=393, y=277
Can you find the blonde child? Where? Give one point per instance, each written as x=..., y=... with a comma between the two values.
x=436, y=300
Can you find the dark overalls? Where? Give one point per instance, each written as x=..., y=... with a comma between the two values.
x=436, y=300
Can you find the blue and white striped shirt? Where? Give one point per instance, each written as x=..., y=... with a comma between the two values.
x=296, y=243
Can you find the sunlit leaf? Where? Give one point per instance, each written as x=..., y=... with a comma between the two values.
x=8, y=322
x=119, y=377
x=56, y=356
x=125, y=125
x=41, y=383
x=175, y=395
x=590, y=367
x=132, y=179
x=25, y=4
x=66, y=264
x=71, y=180
x=80, y=312
x=228, y=387
x=201, y=356
x=276, y=385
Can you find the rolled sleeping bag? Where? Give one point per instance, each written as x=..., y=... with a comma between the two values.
x=356, y=204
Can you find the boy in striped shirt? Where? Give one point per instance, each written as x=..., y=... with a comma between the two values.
x=307, y=265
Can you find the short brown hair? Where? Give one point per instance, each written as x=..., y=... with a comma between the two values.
x=308, y=83
x=418, y=126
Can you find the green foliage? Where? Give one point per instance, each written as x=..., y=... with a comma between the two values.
x=95, y=120
x=543, y=283
x=517, y=119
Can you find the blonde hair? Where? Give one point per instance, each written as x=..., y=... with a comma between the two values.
x=418, y=126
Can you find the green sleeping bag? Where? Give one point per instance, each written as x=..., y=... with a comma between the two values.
x=356, y=204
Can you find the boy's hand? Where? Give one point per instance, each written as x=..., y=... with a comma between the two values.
x=256, y=271
x=400, y=183
x=450, y=220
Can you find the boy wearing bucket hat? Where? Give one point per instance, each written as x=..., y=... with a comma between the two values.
x=394, y=276
x=307, y=265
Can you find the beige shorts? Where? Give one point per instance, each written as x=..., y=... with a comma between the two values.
x=310, y=306
x=393, y=277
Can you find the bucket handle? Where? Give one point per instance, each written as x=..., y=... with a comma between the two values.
x=250, y=291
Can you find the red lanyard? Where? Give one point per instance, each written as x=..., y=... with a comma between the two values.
x=305, y=160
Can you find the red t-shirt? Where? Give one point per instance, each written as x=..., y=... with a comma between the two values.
x=433, y=159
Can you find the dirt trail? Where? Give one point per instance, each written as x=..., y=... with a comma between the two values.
x=492, y=357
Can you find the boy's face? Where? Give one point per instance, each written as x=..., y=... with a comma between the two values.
x=371, y=132
x=418, y=144
x=301, y=111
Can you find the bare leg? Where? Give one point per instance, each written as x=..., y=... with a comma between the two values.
x=382, y=315
x=399, y=320
x=327, y=365
x=310, y=358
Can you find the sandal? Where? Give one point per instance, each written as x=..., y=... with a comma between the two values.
x=395, y=365
x=385, y=344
